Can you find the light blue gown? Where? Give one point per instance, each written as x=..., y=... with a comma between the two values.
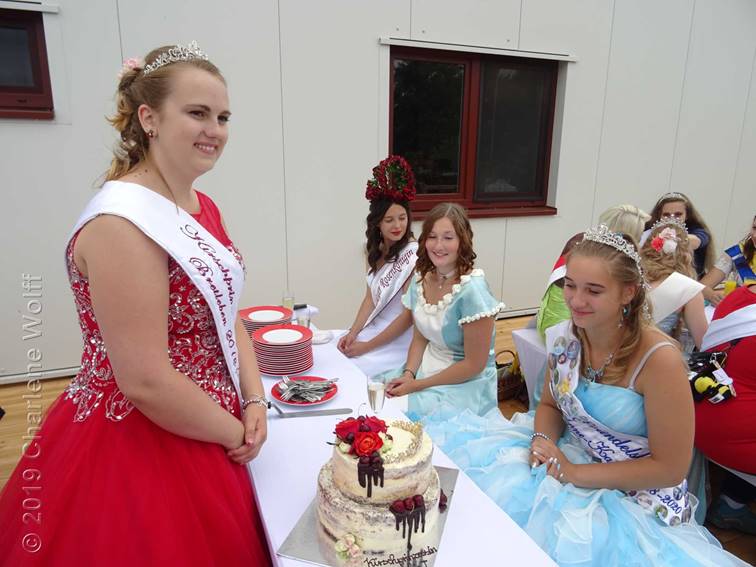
x=575, y=526
x=442, y=324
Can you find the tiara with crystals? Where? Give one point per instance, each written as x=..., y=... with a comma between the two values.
x=669, y=221
x=175, y=54
x=674, y=195
x=603, y=235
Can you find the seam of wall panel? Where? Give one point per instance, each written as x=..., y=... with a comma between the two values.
x=504, y=260
x=682, y=97
x=603, y=113
x=519, y=27
x=283, y=148
x=120, y=31
x=740, y=140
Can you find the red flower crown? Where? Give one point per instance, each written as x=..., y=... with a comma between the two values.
x=392, y=179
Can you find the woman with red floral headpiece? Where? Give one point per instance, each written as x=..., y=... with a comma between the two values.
x=380, y=335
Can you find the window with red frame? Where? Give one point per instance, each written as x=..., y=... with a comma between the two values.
x=476, y=129
x=25, y=90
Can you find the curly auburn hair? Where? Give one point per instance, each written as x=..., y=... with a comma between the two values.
x=378, y=209
x=693, y=220
x=465, y=254
x=623, y=270
x=658, y=264
x=748, y=246
x=135, y=89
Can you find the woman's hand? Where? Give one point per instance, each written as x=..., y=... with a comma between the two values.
x=255, y=424
x=713, y=296
x=357, y=348
x=346, y=341
x=545, y=451
x=405, y=384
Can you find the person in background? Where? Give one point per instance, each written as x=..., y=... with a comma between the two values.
x=451, y=357
x=738, y=261
x=625, y=218
x=675, y=295
x=382, y=330
x=726, y=431
x=678, y=206
x=142, y=459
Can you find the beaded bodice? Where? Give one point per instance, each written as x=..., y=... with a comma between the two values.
x=193, y=348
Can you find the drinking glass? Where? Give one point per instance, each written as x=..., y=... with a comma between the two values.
x=376, y=391
x=288, y=299
x=303, y=317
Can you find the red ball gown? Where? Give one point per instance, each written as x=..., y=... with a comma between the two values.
x=103, y=485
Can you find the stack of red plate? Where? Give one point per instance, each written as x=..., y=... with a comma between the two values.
x=254, y=318
x=283, y=349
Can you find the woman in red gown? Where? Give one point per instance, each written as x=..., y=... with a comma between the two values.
x=142, y=460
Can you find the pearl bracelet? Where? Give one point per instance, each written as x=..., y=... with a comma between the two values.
x=541, y=435
x=255, y=399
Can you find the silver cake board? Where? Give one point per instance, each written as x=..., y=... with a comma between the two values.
x=309, y=543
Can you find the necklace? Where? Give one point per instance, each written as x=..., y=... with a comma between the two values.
x=445, y=277
x=596, y=375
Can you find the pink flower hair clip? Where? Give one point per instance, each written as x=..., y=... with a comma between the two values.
x=130, y=64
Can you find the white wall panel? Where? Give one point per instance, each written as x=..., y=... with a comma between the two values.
x=533, y=244
x=742, y=205
x=489, y=23
x=48, y=171
x=330, y=99
x=714, y=101
x=247, y=183
x=646, y=71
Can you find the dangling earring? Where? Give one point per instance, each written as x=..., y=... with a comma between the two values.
x=625, y=313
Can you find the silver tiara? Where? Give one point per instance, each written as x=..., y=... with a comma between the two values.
x=674, y=195
x=175, y=54
x=603, y=235
x=669, y=221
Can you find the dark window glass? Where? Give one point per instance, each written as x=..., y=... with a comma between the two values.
x=25, y=89
x=427, y=121
x=510, y=132
x=15, y=61
x=476, y=128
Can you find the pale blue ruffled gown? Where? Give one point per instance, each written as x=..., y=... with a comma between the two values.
x=442, y=324
x=575, y=526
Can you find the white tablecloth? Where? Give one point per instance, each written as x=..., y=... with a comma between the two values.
x=477, y=531
x=532, y=353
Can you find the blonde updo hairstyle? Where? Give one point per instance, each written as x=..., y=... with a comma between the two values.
x=659, y=264
x=624, y=271
x=135, y=89
x=625, y=218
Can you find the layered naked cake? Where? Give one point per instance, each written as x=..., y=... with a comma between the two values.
x=380, y=487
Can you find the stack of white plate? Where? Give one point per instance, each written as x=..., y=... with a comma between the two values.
x=283, y=349
x=254, y=318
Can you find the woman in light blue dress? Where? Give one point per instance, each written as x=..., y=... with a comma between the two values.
x=451, y=357
x=597, y=475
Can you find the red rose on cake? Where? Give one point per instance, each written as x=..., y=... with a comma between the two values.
x=376, y=425
x=344, y=428
x=366, y=443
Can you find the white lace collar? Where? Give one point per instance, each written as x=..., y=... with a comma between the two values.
x=446, y=299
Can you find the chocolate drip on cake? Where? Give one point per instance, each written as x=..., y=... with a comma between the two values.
x=370, y=472
x=411, y=514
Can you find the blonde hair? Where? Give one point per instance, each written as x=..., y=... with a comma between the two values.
x=659, y=264
x=135, y=89
x=625, y=218
x=624, y=270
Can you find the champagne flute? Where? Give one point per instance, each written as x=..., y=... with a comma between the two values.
x=376, y=390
